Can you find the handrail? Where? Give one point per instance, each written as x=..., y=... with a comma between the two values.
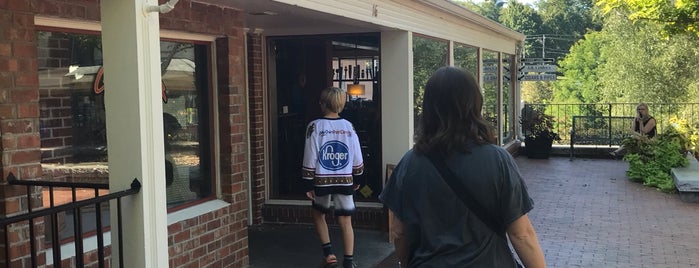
x=52, y=211
x=135, y=188
x=11, y=179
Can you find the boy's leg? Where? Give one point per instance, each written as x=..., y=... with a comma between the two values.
x=344, y=208
x=347, y=233
x=321, y=226
x=321, y=205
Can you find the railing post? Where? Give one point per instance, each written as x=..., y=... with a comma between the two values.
x=609, y=124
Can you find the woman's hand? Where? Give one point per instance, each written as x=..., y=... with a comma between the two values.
x=311, y=195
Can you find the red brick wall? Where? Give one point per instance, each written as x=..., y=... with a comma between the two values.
x=257, y=127
x=19, y=122
x=365, y=218
x=218, y=238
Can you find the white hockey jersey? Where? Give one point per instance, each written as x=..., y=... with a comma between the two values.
x=332, y=153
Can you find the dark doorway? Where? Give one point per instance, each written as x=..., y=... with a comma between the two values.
x=299, y=68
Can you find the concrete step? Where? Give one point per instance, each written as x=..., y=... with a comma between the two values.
x=687, y=180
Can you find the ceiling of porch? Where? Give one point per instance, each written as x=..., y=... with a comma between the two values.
x=281, y=19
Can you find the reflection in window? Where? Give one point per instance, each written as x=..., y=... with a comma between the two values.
x=466, y=57
x=428, y=56
x=72, y=114
x=507, y=122
x=490, y=87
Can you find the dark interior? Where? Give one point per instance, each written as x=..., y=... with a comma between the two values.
x=300, y=67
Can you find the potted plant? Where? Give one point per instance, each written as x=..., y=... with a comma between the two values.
x=537, y=128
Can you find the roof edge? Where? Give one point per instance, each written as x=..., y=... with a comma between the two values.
x=464, y=13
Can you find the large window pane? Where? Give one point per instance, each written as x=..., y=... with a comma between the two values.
x=507, y=122
x=490, y=86
x=466, y=57
x=72, y=121
x=428, y=55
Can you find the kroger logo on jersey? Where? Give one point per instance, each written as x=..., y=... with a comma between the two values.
x=334, y=155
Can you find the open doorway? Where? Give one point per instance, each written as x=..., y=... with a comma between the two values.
x=299, y=68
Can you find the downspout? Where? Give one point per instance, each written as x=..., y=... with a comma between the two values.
x=164, y=8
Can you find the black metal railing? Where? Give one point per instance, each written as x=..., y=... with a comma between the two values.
x=52, y=212
x=662, y=112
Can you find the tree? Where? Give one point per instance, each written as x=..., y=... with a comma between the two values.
x=522, y=18
x=489, y=8
x=644, y=66
x=565, y=22
x=580, y=67
x=679, y=16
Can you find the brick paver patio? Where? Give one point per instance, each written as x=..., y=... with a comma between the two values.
x=587, y=214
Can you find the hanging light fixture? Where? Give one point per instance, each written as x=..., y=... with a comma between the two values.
x=355, y=89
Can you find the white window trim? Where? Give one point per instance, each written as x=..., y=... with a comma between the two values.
x=95, y=26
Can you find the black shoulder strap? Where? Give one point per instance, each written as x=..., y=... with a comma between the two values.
x=465, y=195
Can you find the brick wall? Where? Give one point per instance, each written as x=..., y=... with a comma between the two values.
x=257, y=127
x=366, y=218
x=19, y=121
x=218, y=238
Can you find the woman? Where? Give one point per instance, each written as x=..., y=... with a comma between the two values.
x=432, y=225
x=643, y=124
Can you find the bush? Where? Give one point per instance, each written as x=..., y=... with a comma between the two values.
x=650, y=160
x=537, y=124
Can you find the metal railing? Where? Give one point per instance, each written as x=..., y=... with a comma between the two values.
x=662, y=112
x=33, y=216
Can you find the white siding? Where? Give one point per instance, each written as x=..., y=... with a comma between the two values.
x=458, y=25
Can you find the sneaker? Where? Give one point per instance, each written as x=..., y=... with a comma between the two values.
x=330, y=261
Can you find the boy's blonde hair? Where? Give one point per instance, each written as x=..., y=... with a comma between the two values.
x=333, y=99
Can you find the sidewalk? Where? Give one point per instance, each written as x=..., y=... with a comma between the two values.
x=586, y=214
x=296, y=245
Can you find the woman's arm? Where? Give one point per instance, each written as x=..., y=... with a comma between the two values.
x=648, y=126
x=526, y=243
x=400, y=242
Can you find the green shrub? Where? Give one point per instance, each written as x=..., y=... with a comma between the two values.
x=650, y=160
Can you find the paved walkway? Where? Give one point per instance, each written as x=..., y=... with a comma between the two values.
x=587, y=214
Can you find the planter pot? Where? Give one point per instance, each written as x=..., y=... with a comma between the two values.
x=539, y=147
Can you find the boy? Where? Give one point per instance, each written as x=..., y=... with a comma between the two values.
x=331, y=156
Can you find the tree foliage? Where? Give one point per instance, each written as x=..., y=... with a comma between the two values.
x=641, y=65
x=565, y=22
x=678, y=16
x=521, y=18
x=580, y=83
x=428, y=55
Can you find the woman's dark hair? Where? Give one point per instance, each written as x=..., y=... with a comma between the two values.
x=451, y=114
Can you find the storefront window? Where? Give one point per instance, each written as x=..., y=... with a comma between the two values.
x=428, y=55
x=72, y=120
x=490, y=86
x=466, y=57
x=508, y=113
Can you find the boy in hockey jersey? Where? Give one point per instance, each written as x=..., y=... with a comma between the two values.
x=332, y=155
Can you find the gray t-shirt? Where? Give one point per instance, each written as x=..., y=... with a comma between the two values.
x=440, y=230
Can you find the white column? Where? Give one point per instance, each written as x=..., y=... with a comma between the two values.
x=131, y=48
x=396, y=95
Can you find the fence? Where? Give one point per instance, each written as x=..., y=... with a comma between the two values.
x=662, y=112
x=28, y=220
